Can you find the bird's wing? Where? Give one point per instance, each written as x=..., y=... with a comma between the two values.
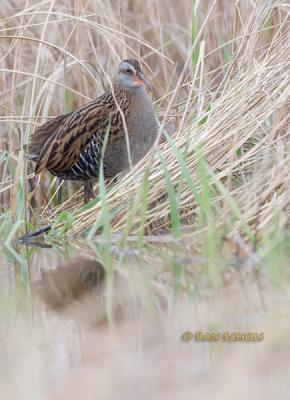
x=62, y=150
x=41, y=134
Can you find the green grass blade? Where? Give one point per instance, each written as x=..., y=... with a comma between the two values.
x=173, y=203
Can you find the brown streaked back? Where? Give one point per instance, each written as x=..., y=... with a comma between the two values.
x=42, y=133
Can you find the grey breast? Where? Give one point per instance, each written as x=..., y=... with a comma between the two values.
x=142, y=131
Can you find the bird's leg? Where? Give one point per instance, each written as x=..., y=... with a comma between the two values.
x=59, y=192
x=88, y=191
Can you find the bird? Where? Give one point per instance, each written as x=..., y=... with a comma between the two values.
x=70, y=146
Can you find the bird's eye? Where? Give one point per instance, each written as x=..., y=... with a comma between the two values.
x=129, y=71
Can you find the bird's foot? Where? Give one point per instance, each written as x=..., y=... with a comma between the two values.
x=88, y=191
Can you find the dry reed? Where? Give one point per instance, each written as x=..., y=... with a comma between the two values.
x=220, y=72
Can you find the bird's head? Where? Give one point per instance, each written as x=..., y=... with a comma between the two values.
x=130, y=76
